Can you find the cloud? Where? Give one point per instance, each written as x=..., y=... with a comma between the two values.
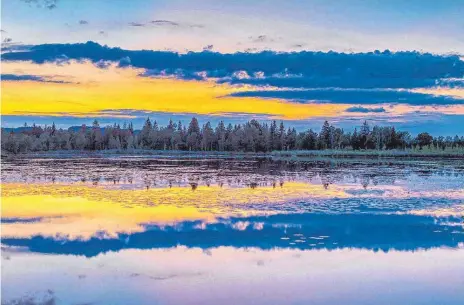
x=103, y=64
x=49, y=4
x=26, y=77
x=15, y=47
x=261, y=38
x=164, y=23
x=178, y=73
x=208, y=47
x=14, y=77
x=83, y=22
x=303, y=69
x=21, y=220
x=7, y=40
x=362, y=231
x=353, y=96
x=322, y=77
x=196, y=26
x=136, y=24
x=365, y=110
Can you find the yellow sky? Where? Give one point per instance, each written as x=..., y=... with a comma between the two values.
x=93, y=90
x=89, y=90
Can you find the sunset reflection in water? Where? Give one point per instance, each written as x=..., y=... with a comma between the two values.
x=320, y=229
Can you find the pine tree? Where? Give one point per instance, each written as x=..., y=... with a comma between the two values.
x=146, y=140
x=193, y=135
x=324, y=136
x=282, y=136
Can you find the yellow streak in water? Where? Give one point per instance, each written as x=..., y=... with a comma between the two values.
x=82, y=217
x=80, y=210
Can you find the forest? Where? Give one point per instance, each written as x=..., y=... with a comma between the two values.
x=251, y=136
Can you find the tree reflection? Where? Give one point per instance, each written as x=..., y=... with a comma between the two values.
x=251, y=173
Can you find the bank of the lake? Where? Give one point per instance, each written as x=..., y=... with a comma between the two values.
x=291, y=154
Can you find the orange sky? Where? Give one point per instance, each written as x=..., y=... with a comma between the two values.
x=87, y=90
x=92, y=90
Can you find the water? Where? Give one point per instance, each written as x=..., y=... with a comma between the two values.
x=152, y=230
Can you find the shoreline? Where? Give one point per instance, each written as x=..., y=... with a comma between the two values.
x=291, y=155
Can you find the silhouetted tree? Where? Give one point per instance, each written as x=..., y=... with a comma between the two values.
x=251, y=136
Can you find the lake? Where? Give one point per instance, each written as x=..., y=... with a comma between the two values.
x=186, y=230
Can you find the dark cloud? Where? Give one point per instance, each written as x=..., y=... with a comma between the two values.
x=251, y=50
x=164, y=23
x=124, y=61
x=15, y=47
x=27, y=77
x=330, y=79
x=49, y=4
x=365, y=97
x=103, y=64
x=293, y=69
x=27, y=220
x=261, y=38
x=21, y=220
x=451, y=82
x=7, y=40
x=136, y=24
x=208, y=47
x=365, y=110
x=177, y=73
x=14, y=77
x=83, y=22
x=299, y=75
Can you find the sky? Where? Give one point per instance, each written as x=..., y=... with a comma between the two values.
x=388, y=62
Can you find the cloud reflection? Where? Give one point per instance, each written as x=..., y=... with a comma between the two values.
x=374, y=232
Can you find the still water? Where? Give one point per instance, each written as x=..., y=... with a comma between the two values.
x=152, y=230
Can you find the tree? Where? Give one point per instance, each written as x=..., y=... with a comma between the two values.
x=291, y=139
x=273, y=136
x=146, y=140
x=365, y=139
x=53, y=129
x=424, y=139
x=324, y=136
x=355, y=140
x=193, y=135
x=95, y=136
x=207, y=138
x=252, y=136
x=282, y=136
x=221, y=134
x=307, y=140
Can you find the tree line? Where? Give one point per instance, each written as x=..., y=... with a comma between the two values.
x=251, y=136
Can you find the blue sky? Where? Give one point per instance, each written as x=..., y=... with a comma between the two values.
x=344, y=25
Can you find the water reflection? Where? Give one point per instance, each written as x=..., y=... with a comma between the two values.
x=295, y=231
x=197, y=231
x=140, y=172
x=228, y=275
x=81, y=211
